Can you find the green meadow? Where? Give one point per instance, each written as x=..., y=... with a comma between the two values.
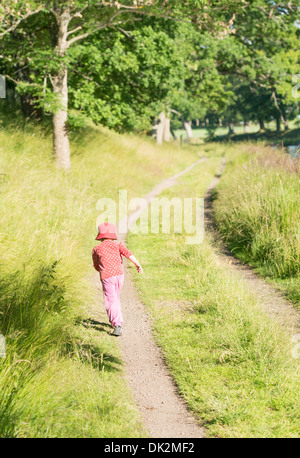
x=233, y=365
x=61, y=378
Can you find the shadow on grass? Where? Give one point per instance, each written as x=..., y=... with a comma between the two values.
x=12, y=119
x=90, y=323
x=91, y=353
x=35, y=319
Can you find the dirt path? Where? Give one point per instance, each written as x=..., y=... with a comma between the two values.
x=164, y=412
x=272, y=301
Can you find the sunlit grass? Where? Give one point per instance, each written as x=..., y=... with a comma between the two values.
x=60, y=379
x=232, y=364
x=257, y=211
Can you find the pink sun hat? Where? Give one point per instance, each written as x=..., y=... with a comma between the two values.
x=107, y=231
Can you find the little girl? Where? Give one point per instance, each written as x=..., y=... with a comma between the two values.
x=107, y=258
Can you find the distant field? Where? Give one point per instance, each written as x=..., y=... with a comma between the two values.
x=202, y=132
x=291, y=137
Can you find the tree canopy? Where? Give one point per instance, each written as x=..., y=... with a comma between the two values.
x=123, y=63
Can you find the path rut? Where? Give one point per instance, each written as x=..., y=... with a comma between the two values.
x=271, y=300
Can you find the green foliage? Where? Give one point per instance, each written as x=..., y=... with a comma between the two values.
x=128, y=61
x=261, y=56
x=125, y=84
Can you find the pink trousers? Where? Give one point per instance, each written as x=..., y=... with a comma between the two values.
x=111, y=292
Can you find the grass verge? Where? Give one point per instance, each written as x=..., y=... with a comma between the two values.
x=232, y=364
x=257, y=212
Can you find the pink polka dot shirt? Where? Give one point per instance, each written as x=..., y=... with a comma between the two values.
x=107, y=258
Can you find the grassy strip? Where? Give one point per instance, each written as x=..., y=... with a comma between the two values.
x=257, y=211
x=232, y=364
x=59, y=378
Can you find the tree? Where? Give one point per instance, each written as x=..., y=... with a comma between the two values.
x=128, y=84
x=255, y=58
x=263, y=54
x=203, y=88
x=76, y=20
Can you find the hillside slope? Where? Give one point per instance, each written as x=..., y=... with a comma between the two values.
x=61, y=378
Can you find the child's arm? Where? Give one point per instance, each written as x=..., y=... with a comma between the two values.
x=136, y=262
x=127, y=253
x=95, y=261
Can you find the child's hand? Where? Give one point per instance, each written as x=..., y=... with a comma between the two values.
x=136, y=263
x=139, y=269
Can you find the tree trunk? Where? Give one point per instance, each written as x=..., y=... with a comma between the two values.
x=173, y=134
x=285, y=121
x=188, y=127
x=278, y=122
x=261, y=124
x=28, y=106
x=167, y=130
x=160, y=128
x=61, y=144
x=29, y=109
x=282, y=113
x=246, y=126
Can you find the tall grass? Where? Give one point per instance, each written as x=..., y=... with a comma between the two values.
x=257, y=210
x=60, y=379
x=231, y=363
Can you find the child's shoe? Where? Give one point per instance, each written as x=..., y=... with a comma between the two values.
x=117, y=331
